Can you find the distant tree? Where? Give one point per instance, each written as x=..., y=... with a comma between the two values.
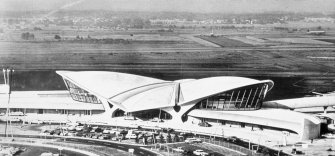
x=37, y=28
x=147, y=23
x=145, y=140
x=265, y=151
x=177, y=138
x=161, y=139
x=57, y=37
x=87, y=129
x=116, y=22
x=24, y=36
x=126, y=21
x=168, y=138
x=154, y=139
x=137, y=139
x=99, y=130
x=138, y=23
x=27, y=36
x=174, y=138
x=31, y=36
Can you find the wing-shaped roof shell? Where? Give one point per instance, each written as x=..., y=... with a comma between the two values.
x=196, y=89
x=137, y=93
x=107, y=84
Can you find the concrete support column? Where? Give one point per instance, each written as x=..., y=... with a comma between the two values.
x=325, y=109
x=177, y=116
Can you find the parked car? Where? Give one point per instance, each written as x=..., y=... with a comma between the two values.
x=200, y=152
x=178, y=149
x=129, y=117
x=104, y=137
x=16, y=114
x=44, y=133
x=93, y=129
x=114, y=131
x=204, y=124
x=168, y=130
x=131, y=136
x=96, y=136
x=80, y=134
x=124, y=132
x=63, y=133
x=70, y=128
x=157, y=120
x=232, y=138
x=193, y=140
x=107, y=131
x=72, y=134
x=57, y=132
x=79, y=128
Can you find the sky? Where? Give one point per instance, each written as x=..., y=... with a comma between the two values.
x=202, y=6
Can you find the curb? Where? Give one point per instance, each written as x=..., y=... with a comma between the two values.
x=52, y=146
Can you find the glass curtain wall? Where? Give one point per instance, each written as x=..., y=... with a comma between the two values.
x=244, y=98
x=81, y=95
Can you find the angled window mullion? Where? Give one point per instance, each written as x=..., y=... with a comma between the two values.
x=248, y=98
x=231, y=97
x=218, y=102
x=259, y=96
x=242, y=98
x=206, y=103
x=238, y=94
x=254, y=97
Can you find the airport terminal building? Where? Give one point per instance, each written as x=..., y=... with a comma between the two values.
x=226, y=100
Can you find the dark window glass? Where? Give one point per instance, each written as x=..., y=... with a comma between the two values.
x=244, y=98
x=81, y=95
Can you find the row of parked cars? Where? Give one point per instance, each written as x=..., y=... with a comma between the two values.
x=199, y=152
x=195, y=152
x=109, y=133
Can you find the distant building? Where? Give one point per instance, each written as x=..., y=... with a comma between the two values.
x=319, y=32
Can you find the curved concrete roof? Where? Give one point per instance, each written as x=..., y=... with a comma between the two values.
x=137, y=93
x=152, y=99
x=192, y=90
x=107, y=84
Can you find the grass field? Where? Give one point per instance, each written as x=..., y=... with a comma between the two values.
x=182, y=58
x=224, y=41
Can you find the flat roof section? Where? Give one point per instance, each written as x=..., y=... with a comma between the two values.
x=303, y=124
x=45, y=100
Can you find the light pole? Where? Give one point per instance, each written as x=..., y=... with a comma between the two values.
x=60, y=151
x=8, y=74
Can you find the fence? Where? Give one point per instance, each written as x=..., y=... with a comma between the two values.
x=231, y=146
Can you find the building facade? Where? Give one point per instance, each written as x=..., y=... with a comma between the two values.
x=94, y=96
x=217, y=100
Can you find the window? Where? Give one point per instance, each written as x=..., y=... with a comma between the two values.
x=40, y=111
x=244, y=98
x=81, y=95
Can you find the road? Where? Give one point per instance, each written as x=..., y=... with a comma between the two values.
x=125, y=147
